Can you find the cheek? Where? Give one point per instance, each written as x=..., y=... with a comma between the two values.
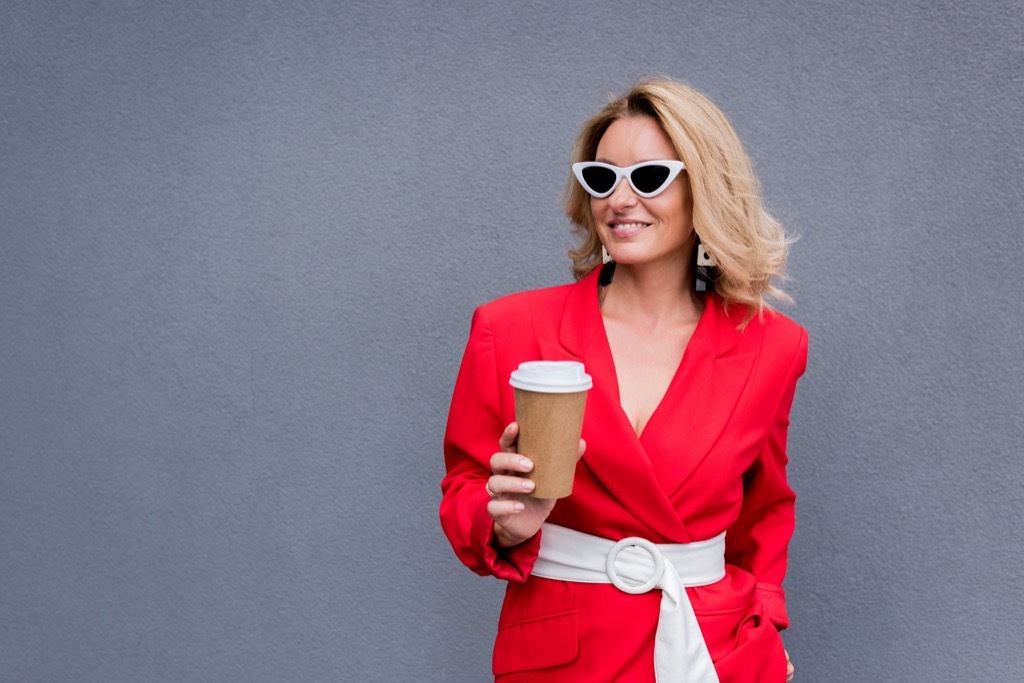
x=673, y=209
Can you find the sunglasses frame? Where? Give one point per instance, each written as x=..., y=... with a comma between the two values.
x=675, y=168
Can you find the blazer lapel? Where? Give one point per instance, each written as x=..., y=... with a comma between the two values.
x=614, y=455
x=700, y=400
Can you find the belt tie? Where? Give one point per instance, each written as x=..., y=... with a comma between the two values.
x=635, y=565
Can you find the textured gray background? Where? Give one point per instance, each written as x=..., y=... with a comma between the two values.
x=241, y=243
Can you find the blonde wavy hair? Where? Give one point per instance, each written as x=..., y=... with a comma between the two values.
x=748, y=245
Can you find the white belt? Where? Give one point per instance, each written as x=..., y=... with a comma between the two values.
x=635, y=565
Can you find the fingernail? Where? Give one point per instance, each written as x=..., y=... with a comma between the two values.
x=527, y=485
x=525, y=464
x=517, y=506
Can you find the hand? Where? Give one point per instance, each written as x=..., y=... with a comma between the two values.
x=789, y=667
x=517, y=515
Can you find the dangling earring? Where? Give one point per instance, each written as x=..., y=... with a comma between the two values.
x=607, y=270
x=705, y=270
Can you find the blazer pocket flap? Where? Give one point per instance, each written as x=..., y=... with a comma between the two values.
x=537, y=643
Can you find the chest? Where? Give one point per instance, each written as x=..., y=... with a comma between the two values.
x=645, y=364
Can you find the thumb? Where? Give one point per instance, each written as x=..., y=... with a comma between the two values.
x=507, y=442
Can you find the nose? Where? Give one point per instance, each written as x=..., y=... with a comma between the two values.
x=622, y=196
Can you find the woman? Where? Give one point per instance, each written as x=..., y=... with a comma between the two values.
x=684, y=435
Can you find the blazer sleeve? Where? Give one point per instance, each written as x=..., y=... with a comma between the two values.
x=475, y=422
x=758, y=541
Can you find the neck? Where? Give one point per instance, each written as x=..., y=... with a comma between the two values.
x=653, y=293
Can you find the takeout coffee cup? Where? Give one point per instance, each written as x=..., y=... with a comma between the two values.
x=550, y=399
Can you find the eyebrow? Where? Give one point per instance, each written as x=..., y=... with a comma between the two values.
x=605, y=160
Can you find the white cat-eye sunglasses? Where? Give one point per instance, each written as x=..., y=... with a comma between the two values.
x=648, y=179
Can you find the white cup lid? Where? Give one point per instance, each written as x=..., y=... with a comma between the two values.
x=551, y=377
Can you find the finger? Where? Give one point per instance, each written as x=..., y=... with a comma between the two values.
x=582, y=450
x=504, y=463
x=499, y=508
x=501, y=484
x=507, y=441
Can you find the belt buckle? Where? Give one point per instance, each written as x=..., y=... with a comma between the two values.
x=630, y=542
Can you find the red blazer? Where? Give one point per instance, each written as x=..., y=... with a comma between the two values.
x=711, y=458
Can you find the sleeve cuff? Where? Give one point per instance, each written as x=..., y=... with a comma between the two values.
x=774, y=600
x=511, y=564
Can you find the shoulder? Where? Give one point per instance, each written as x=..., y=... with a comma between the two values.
x=773, y=335
x=512, y=327
x=781, y=330
x=784, y=342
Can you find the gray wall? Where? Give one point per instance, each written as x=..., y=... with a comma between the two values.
x=240, y=244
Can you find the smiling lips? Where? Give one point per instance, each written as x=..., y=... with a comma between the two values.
x=622, y=229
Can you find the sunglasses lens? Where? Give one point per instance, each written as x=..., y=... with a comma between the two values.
x=649, y=178
x=599, y=179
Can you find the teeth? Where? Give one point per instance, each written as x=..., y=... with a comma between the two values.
x=629, y=226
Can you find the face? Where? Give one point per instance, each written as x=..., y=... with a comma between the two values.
x=635, y=230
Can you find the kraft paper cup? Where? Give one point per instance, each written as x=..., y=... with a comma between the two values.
x=550, y=400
